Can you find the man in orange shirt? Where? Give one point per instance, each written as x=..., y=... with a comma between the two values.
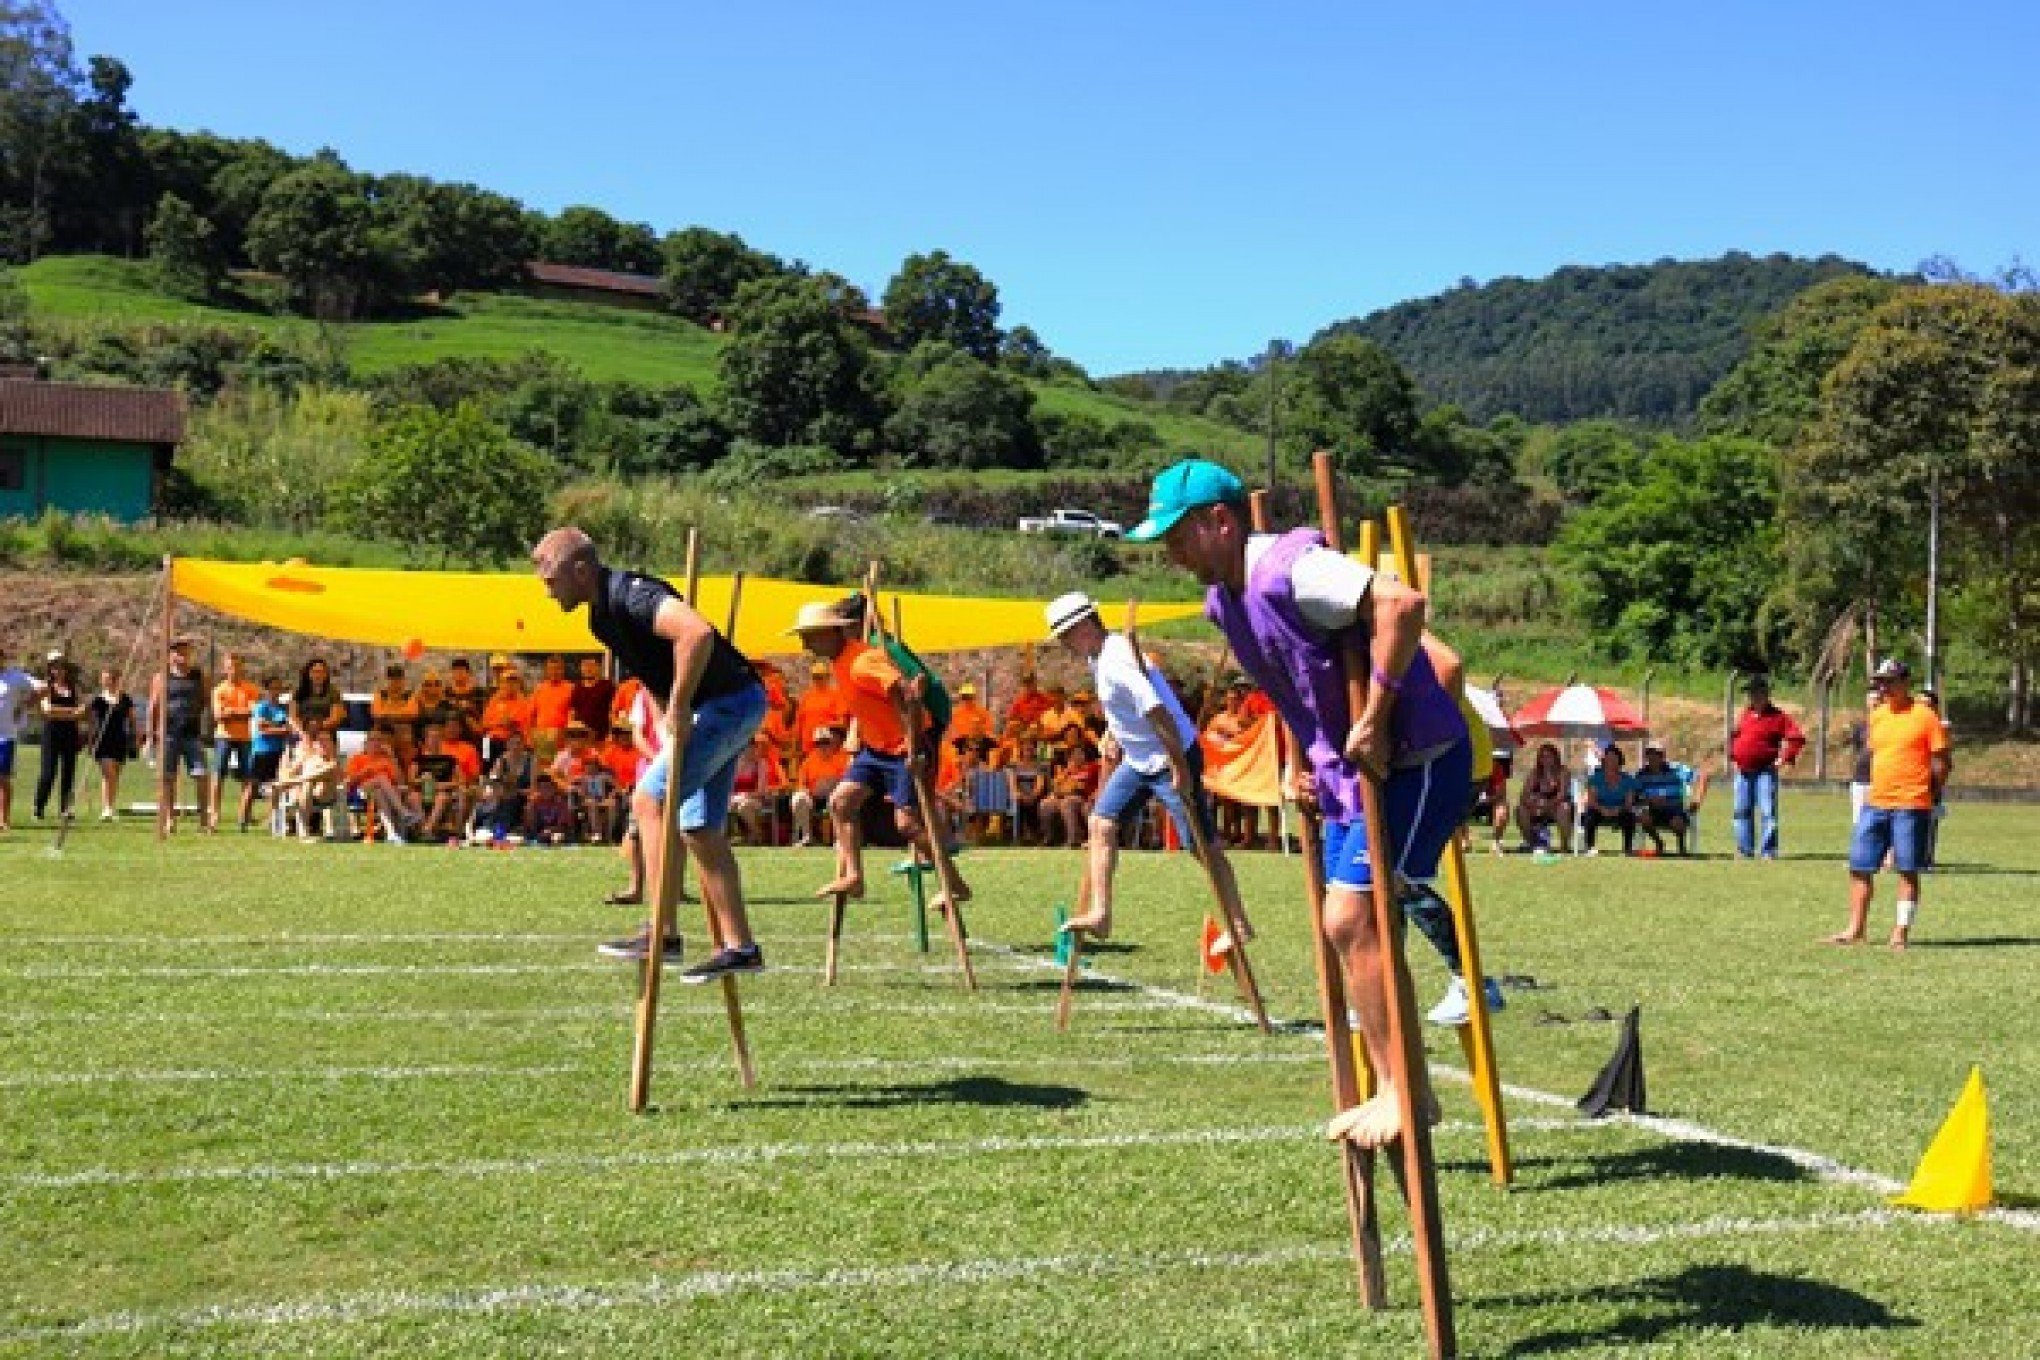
x=1028, y=705
x=508, y=711
x=821, y=706
x=233, y=701
x=552, y=704
x=1909, y=766
x=821, y=770
x=876, y=693
x=968, y=718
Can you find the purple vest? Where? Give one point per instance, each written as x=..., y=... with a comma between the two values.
x=1301, y=670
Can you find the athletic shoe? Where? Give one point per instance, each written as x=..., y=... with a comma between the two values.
x=725, y=962
x=1455, y=1008
x=1493, y=992
x=634, y=948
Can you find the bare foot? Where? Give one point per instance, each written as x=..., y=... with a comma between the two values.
x=957, y=890
x=1843, y=938
x=1096, y=924
x=1377, y=1122
x=850, y=885
x=1242, y=929
x=1898, y=939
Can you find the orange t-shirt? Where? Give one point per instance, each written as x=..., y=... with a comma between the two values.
x=552, y=705
x=233, y=702
x=505, y=715
x=776, y=729
x=948, y=769
x=465, y=757
x=622, y=759
x=969, y=719
x=364, y=767
x=819, y=707
x=1028, y=708
x=1903, y=744
x=864, y=674
x=821, y=766
x=626, y=695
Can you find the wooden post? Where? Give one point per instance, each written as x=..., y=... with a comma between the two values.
x=1075, y=959
x=1356, y=1163
x=1405, y=1046
x=1476, y=1036
x=837, y=903
x=166, y=772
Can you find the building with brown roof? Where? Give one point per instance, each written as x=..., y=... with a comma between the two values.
x=85, y=450
x=609, y=287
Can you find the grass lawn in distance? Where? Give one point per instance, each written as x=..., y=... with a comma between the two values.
x=337, y=1101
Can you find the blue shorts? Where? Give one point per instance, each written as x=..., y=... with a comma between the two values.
x=723, y=728
x=1423, y=806
x=189, y=750
x=1902, y=831
x=1127, y=791
x=232, y=757
x=6, y=757
x=884, y=774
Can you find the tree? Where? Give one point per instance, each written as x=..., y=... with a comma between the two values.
x=106, y=189
x=936, y=298
x=39, y=87
x=1774, y=393
x=1587, y=458
x=450, y=485
x=1675, y=565
x=704, y=269
x=592, y=239
x=1942, y=383
x=795, y=372
x=314, y=228
x=953, y=411
x=1350, y=396
x=1023, y=352
x=184, y=251
x=451, y=236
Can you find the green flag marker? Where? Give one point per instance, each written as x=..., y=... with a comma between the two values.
x=1062, y=937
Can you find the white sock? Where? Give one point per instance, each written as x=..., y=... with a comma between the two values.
x=1905, y=913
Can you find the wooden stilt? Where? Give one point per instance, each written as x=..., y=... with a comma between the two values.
x=1075, y=961
x=837, y=904
x=1476, y=1036
x=1419, y=1180
x=166, y=768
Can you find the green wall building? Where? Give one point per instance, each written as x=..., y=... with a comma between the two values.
x=85, y=450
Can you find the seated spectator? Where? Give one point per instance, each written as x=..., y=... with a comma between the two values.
x=436, y=777
x=1239, y=824
x=1491, y=799
x=498, y=814
x=507, y=714
x=309, y=777
x=378, y=779
x=457, y=741
x=1546, y=802
x=1667, y=795
x=755, y=795
x=395, y=706
x=1611, y=800
x=464, y=694
x=552, y=702
x=1026, y=778
x=514, y=765
x=620, y=754
x=968, y=718
x=978, y=761
x=581, y=774
x=548, y=816
x=435, y=703
x=1073, y=785
x=822, y=707
x=821, y=769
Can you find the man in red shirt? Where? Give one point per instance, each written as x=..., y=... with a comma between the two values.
x=592, y=695
x=1765, y=738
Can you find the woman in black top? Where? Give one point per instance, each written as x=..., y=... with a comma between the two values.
x=315, y=705
x=62, y=708
x=112, y=741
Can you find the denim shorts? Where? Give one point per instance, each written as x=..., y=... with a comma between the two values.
x=884, y=774
x=232, y=757
x=1902, y=831
x=190, y=750
x=6, y=757
x=723, y=728
x=1423, y=805
x=1127, y=791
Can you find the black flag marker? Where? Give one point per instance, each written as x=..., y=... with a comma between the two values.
x=1620, y=1085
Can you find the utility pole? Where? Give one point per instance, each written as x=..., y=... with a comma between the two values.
x=1933, y=579
x=1274, y=350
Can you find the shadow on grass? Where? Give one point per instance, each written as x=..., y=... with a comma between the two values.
x=1706, y=1299
x=1980, y=942
x=1085, y=983
x=1973, y=870
x=1657, y=1162
x=983, y=1091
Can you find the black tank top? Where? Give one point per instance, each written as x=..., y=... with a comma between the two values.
x=181, y=697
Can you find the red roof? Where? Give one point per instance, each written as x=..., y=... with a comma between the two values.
x=601, y=280
x=129, y=415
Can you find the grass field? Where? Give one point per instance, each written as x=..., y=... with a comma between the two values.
x=339, y=1101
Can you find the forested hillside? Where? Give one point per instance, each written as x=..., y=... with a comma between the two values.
x=1635, y=342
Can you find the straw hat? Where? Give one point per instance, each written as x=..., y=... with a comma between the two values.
x=817, y=616
x=1065, y=611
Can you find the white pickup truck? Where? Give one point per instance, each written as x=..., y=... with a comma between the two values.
x=1072, y=522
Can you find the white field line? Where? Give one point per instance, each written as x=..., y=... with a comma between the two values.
x=476, y=1168
x=348, y=1309
x=288, y=938
x=58, y=972
x=1679, y=1130
x=822, y=1004
x=467, y=1071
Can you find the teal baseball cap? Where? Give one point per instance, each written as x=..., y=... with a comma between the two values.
x=1181, y=488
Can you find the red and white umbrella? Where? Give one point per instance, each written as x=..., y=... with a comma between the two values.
x=1576, y=711
x=1488, y=705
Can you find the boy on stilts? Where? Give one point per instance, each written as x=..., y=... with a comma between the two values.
x=1288, y=605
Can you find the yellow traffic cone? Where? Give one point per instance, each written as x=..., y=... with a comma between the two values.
x=1954, y=1176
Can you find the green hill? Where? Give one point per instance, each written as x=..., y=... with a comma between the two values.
x=1636, y=342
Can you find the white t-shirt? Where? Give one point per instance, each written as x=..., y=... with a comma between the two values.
x=17, y=691
x=1329, y=586
x=1127, y=689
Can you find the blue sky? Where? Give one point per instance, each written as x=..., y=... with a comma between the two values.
x=1162, y=184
